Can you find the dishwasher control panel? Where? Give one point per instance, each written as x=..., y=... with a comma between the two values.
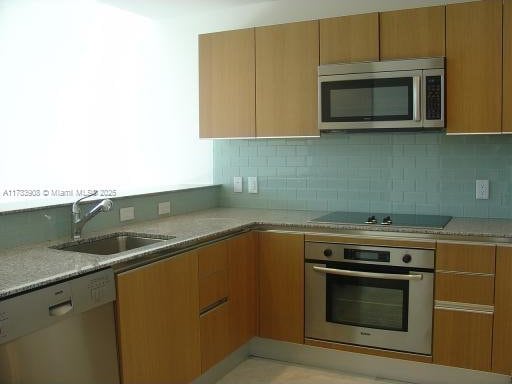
x=27, y=312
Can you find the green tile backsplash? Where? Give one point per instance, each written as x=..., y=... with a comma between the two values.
x=54, y=222
x=428, y=173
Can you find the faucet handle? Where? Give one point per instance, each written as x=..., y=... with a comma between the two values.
x=76, y=208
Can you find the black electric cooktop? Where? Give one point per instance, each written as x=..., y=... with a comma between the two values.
x=397, y=220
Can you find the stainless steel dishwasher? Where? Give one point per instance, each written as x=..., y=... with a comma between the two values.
x=62, y=333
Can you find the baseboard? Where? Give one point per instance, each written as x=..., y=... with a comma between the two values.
x=372, y=366
x=219, y=370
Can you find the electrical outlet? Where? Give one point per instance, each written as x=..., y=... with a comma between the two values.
x=126, y=214
x=164, y=208
x=482, y=189
x=252, y=184
x=237, y=184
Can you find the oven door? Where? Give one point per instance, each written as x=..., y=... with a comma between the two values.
x=370, y=100
x=369, y=305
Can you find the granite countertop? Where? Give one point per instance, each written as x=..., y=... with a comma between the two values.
x=35, y=265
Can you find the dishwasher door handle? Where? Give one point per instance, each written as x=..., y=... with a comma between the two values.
x=60, y=309
x=370, y=275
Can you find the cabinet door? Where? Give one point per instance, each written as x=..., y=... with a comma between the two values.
x=242, y=288
x=286, y=80
x=226, y=84
x=502, y=340
x=281, y=286
x=507, y=64
x=215, y=342
x=463, y=339
x=412, y=33
x=158, y=322
x=349, y=38
x=474, y=67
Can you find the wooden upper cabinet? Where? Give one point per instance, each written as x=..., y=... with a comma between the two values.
x=412, y=33
x=507, y=65
x=474, y=67
x=226, y=84
x=158, y=322
x=287, y=58
x=349, y=39
x=281, y=286
x=502, y=337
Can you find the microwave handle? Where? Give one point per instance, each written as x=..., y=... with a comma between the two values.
x=416, y=105
x=370, y=275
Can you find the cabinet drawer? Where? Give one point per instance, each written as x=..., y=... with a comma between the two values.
x=213, y=288
x=465, y=257
x=212, y=258
x=215, y=341
x=463, y=288
x=463, y=339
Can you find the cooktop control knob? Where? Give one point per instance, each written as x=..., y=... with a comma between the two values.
x=387, y=221
x=327, y=252
x=407, y=258
x=371, y=220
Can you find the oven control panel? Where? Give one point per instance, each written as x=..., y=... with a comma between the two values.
x=363, y=254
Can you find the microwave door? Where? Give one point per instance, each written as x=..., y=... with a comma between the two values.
x=371, y=100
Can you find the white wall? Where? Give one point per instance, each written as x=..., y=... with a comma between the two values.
x=93, y=96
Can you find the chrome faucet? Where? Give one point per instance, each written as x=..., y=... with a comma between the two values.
x=78, y=221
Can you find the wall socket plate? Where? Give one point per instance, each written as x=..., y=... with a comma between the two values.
x=482, y=190
x=237, y=184
x=164, y=208
x=126, y=214
x=252, y=184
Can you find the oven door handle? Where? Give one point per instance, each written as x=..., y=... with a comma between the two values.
x=370, y=275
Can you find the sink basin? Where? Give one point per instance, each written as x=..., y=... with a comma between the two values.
x=112, y=244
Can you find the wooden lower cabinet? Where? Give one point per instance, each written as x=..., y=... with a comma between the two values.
x=158, y=322
x=463, y=339
x=242, y=272
x=215, y=332
x=502, y=337
x=281, y=286
x=228, y=271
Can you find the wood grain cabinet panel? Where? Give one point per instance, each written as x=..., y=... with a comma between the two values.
x=474, y=67
x=215, y=345
x=507, y=65
x=227, y=84
x=463, y=339
x=287, y=58
x=461, y=288
x=462, y=257
x=242, y=288
x=412, y=33
x=158, y=323
x=502, y=340
x=281, y=286
x=349, y=39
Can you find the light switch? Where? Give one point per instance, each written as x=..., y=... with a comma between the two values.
x=237, y=184
x=252, y=184
x=164, y=208
x=127, y=213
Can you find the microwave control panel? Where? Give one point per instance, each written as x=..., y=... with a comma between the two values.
x=434, y=99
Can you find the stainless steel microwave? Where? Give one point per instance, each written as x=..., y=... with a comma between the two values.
x=397, y=94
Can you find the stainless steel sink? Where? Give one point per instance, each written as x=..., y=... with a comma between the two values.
x=112, y=244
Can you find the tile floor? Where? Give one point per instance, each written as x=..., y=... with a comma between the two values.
x=263, y=371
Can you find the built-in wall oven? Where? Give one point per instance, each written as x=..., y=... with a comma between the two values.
x=370, y=296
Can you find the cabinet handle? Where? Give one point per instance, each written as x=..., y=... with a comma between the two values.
x=212, y=306
x=464, y=307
